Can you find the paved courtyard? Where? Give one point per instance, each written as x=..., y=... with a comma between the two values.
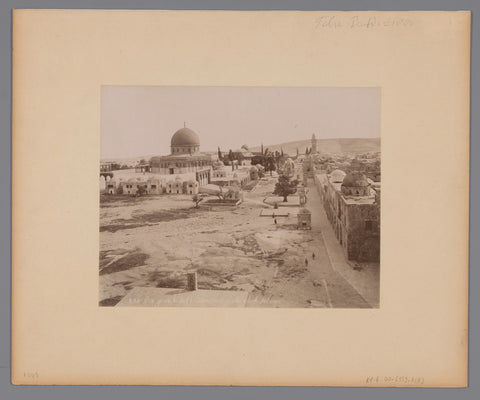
x=153, y=241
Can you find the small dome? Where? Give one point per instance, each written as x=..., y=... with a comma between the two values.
x=355, y=179
x=337, y=176
x=304, y=211
x=253, y=168
x=218, y=164
x=185, y=137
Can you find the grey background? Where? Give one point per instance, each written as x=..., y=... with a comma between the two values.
x=8, y=391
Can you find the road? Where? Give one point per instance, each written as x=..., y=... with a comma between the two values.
x=323, y=283
x=347, y=288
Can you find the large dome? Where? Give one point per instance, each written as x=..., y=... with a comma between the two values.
x=355, y=179
x=185, y=137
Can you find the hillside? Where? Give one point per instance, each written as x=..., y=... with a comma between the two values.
x=329, y=146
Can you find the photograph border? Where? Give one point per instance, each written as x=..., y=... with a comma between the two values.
x=213, y=392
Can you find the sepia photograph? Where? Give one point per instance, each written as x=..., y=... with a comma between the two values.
x=240, y=197
x=216, y=214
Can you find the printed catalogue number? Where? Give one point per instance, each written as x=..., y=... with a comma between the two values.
x=396, y=379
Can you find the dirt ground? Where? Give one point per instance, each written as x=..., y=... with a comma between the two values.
x=152, y=241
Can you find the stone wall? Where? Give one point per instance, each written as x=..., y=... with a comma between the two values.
x=356, y=226
x=363, y=232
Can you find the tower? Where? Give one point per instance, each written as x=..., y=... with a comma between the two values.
x=314, y=144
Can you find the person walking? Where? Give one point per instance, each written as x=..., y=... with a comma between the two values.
x=275, y=220
x=306, y=261
x=313, y=256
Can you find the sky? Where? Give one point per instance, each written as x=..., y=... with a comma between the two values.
x=140, y=120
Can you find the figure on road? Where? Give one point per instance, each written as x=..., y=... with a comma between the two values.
x=313, y=256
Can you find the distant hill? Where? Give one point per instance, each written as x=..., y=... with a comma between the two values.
x=130, y=161
x=329, y=146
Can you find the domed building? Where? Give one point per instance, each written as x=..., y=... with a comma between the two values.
x=218, y=165
x=352, y=206
x=355, y=184
x=185, y=157
x=185, y=141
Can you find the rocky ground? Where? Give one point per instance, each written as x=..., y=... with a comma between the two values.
x=152, y=241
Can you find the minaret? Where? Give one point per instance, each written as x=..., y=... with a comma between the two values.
x=314, y=144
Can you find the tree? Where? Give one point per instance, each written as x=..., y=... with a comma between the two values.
x=245, y=147
x=285, y=187
x=220, y=156
x=258, y=160
x=270, y=164
x=261, y=170
x=279, y=159
x=141, y=190
x=239, y=156
x=196, y=198
x=231, y=157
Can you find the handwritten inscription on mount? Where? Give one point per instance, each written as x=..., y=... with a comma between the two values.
x=358, y=22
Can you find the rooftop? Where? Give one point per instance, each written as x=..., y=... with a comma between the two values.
x=184, y=156
x=359, y=199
